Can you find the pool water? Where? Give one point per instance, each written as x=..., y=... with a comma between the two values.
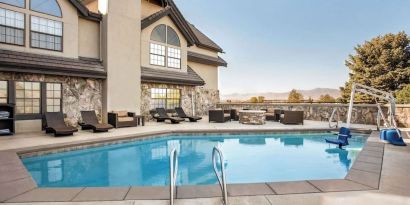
x=249, y=158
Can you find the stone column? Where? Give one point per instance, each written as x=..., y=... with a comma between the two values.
x=121, y=44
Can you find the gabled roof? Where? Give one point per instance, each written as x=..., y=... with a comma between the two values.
x=191, y=33
x=204, y=41
x=151, y=75
x=14, y=61
x=85, y=13
x=168, y=11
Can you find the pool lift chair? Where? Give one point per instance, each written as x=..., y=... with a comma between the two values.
x=391, y=133
x=342, y=138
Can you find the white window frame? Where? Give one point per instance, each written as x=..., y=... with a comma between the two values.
x=167, y=57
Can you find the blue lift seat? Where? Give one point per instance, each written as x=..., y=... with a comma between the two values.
x=342, y=137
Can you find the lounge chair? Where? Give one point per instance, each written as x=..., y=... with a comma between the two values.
x=181, y=113
x=162, y=114
x=219, y=116
x=90, y=121
x=342, y=138
x=55, y=124
x=155, y=116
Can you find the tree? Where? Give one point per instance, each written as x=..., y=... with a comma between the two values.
x=310, y=100
x=253, y=100
x=261, y=99
x=295, y=97
x=382, y=63
x=327, y=99
x=403, y=96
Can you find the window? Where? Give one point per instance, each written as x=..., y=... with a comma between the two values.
x=53, y=97
x=174, y=58
x=157, y=53
x=165, y=35
x=11, y=27
x=50, y=7
x=3, y=91
x=18, y=3
x=46, y=34
x=27, y=97
x=165, y=98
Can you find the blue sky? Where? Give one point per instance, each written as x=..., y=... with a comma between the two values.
x=277, y=45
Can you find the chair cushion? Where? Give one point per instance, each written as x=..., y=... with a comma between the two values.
x=121, y=113
x=125, y=119
x=227, y=115
x=271, y=110
x=269, y=114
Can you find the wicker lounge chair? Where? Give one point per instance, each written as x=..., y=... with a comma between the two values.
x=90, y=121
x=55, y=124
x=292, y=117
x=162, y=114
x=181, y=113
x=219, y=116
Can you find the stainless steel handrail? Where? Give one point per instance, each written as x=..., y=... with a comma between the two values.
x=173, y=170
x=331, y=118
x=221, y=179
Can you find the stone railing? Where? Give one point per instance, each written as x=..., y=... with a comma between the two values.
x=362, y=113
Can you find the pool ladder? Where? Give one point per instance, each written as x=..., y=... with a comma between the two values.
x=221, y=178
x=173, y=170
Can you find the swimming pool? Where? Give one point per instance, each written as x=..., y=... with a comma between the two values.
x=249, y=158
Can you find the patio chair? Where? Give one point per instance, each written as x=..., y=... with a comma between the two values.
x=181, y=113
x=292, y=117
x=162, y=114
x=219, y=116
x=90, y=121
x=54, y=123
x=120, y=119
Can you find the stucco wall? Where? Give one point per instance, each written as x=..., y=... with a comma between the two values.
x=145, y=45
x=70, y=30
x=78, y=94
x=88, y=39
x=208, y=73
x=121, y=55
x=194, y=100
x=362, y=114
x=207, y=52
x=148, y=8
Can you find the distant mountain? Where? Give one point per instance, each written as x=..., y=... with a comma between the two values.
x=314, y=94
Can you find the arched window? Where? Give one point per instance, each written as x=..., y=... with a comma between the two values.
x=18, y=3
x=50, y=7
x=165, y=39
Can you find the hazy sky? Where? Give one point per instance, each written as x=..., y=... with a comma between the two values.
x=277, y=45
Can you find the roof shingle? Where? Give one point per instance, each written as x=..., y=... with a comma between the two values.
x=172, y=77
x=44, y=64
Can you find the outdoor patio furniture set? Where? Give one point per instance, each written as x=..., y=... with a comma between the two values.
x=278, y=115
x=161, y=115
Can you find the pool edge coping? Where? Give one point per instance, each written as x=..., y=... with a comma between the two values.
x=355, y=180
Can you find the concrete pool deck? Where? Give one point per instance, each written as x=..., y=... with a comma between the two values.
x=367, y=172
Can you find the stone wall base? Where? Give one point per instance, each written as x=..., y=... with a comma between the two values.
x=78, y=93
x=194, y=99
x=362, y=114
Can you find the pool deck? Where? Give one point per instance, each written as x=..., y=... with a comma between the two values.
x=380, y=174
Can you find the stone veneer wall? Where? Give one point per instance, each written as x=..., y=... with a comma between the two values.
x=362, y=114
x=204, y=99
x=78, y=93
